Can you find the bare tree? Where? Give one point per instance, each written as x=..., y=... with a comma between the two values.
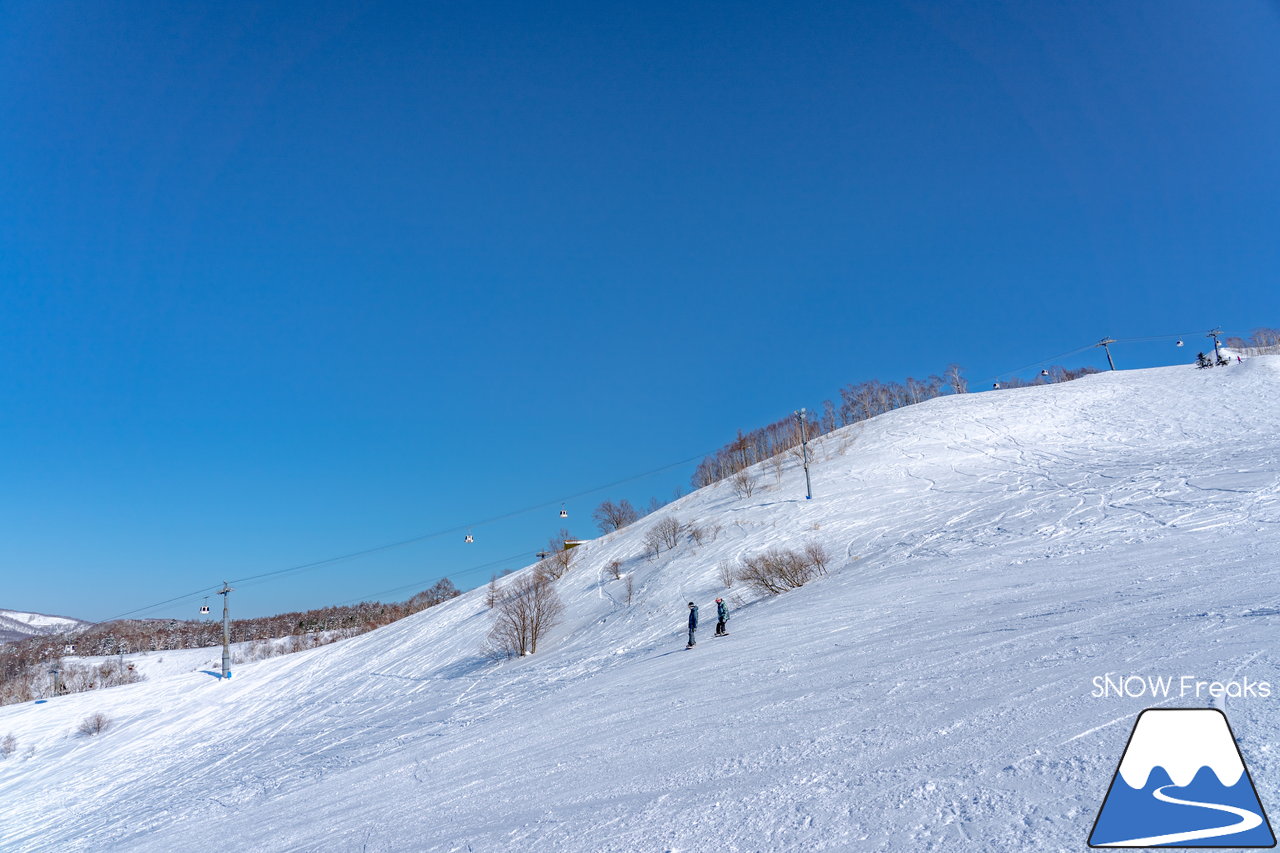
x=630, y=588
x=526, y=612
x=612, y=516
x=743, y=484
x=828, y=421
x=560, y=556
x=817, y=555
x=702, y=533
x=440, y=592
x=652, y=542
x=727, y=575
x=491, y=594
x=954, y=378
x=666, y=533
x=614, y=568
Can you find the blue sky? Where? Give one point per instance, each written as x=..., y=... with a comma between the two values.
x=284, y=282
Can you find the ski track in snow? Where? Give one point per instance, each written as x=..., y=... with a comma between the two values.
x=991, y=553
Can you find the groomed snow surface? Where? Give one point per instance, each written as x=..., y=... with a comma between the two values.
x=991, y=554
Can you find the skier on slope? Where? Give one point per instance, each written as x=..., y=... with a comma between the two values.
x=722, y=616
x=693, y=623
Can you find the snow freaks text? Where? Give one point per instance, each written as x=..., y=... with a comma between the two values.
x=1111, y=686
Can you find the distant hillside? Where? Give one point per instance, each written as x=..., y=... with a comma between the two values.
x=24, y=668
x=18, y=625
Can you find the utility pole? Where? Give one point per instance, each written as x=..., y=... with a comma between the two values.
x=56, y=683
x=1214, y=334
x=225, y=592
x=804, y=451
x=1103, y=343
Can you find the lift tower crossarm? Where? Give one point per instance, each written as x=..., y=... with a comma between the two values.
x=1104, y=343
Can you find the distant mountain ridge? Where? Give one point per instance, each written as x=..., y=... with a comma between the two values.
x=18, y=625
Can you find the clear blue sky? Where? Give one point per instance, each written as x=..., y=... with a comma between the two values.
x=282, y=282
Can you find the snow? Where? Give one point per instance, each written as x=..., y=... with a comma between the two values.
x=991, y=554
x=160, y=664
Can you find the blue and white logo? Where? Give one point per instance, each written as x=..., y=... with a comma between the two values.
x=1182, y=783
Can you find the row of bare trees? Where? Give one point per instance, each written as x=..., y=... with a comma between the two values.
x=1262, y=341
x=858, y=402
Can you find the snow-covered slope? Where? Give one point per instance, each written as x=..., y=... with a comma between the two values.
x=17, y=625
x=991, y=554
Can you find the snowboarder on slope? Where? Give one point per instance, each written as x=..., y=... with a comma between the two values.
x=722, y=616
x=693, y=623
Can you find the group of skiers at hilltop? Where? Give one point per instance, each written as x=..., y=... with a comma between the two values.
x=722, y=616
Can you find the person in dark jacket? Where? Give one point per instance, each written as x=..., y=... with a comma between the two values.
x=693, y=623
x=722, y=616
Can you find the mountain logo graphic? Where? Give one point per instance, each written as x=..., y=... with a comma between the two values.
x=1182, y=783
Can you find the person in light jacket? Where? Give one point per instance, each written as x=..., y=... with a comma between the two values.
x=722, y=616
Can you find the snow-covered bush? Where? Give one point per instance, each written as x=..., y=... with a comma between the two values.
x=780, y=569
x=94, y=724
x=8, y=746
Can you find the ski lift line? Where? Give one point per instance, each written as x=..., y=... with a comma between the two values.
x=1146, y=339
x=403, y=542
x=998, y=376
x=191, y=595
x=421, y=584
x=462, y=527
x=1150, y=338
x=563, y=500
